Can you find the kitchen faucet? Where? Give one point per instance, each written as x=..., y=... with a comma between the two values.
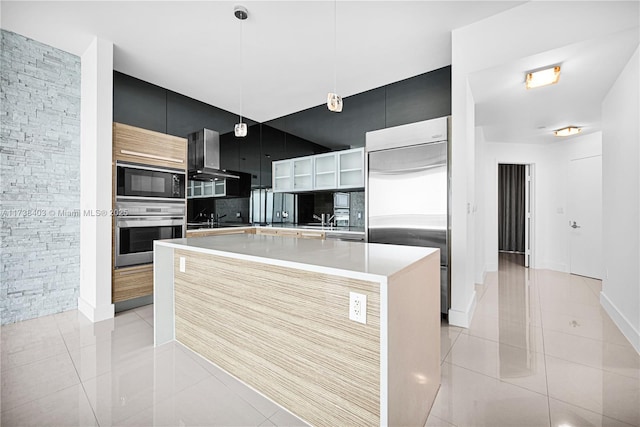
x=215, y=219
x=324, y=218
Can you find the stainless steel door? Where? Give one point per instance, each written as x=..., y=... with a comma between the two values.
x=408, y=187
x=408, y=201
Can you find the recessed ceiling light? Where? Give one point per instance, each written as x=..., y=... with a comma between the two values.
x=568, y=131
x=547, y=76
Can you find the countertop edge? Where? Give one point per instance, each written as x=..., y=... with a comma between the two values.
x=381, y=278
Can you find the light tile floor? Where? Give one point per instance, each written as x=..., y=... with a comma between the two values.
x=540, y=352
x=62, y=370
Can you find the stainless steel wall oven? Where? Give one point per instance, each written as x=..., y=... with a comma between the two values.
x=144, y=222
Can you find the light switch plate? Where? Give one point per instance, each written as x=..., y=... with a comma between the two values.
x=358, y=307
x=183, y=263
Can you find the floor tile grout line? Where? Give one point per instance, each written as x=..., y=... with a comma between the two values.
x=451, y=348
x=546, y=374
x=496, y=379
x=590, y=410
x=75, y=368
x=592, y=367
x=501, y=343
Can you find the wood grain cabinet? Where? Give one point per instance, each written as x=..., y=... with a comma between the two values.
x=148, y=147
x=288, y=232
x=132, y=282
x=221, y=231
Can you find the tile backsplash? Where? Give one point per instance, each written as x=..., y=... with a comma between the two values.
x=356, y=206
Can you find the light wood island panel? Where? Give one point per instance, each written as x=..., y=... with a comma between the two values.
x=273, y=312
x=298, y=348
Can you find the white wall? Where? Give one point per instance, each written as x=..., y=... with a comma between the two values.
x=532, y=28
x=621, y=201
x=481, y=203
x=550, y=192
x=463, y=295
x=96, y=181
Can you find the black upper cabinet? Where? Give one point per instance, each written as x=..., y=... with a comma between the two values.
x=362, y=112
x=312, y=131
x=138, y=103
x=229, y=151
x=418, y=98
x=423, y=97
x=186, y=115
x=249, y=153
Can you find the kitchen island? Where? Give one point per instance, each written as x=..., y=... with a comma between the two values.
x=275, y=313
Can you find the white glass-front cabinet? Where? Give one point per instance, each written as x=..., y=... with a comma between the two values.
x=303, y=173
x=351, y=168
x=325, y=176
x=197, y=189
x=282, y=172
x=328, y=171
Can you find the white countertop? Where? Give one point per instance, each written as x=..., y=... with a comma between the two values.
x=352, y=259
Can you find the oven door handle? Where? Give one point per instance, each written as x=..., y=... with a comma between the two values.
x=149, y=222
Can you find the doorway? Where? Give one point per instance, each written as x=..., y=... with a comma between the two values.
x=514, y=211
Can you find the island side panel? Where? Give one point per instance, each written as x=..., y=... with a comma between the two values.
x=413, y=341
x=163, y=311
x=286, y=333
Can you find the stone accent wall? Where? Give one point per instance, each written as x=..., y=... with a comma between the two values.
x=40, y=171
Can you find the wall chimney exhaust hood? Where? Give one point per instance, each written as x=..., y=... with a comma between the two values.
x=203, y=153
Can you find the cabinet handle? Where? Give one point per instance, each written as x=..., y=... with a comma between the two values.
x=151, y=156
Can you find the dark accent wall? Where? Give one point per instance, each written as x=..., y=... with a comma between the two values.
x=311, y=131
x=142, y=104
x=418, y=98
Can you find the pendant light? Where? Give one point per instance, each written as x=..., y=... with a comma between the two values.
x=334, y=101
x=240, y=129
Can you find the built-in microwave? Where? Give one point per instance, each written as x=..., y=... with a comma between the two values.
x=134, y=181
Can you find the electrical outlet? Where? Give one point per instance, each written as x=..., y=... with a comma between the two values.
x=183, y=266
x=359, y=215
x=238, y=215
x=358, y=307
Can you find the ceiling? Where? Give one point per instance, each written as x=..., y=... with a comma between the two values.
x=288, y=56
x=508, y=112
x=193, y=47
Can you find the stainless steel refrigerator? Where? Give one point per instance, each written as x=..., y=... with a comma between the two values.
x=408, y=190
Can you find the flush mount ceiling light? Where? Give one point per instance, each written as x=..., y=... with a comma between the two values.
x=334, y=101
x=547, y=76
x=568, y=131
x=240, y=129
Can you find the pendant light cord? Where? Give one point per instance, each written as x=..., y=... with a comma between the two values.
x=241, y=68
x=335, y=46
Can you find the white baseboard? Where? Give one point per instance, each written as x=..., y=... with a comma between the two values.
x=463, y=318
x=96, y=314
x=627, y=329
x=480, y=276
x=552, y=265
